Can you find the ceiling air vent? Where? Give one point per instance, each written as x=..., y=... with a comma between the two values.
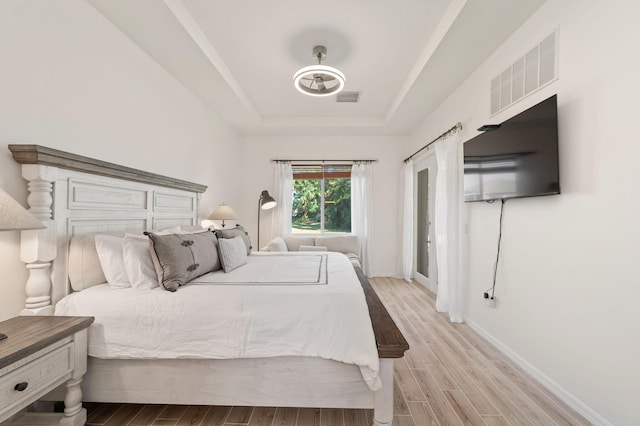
x=346, y=96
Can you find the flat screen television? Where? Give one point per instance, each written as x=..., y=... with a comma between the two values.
x=517, y=159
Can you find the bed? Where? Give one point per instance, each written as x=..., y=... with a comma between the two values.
x=78, y=196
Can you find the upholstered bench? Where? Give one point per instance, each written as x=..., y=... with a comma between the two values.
x=347, y=244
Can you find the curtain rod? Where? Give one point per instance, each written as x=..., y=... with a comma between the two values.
x=455, y=128
x=324, y=161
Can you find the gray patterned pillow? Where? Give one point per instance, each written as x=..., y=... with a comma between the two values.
x=232, y=253
x=235, y=232
x=179, y=258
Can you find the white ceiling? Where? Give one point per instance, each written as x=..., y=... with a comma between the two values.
x=239, y=56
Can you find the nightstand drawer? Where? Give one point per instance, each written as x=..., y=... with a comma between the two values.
x=37, y=376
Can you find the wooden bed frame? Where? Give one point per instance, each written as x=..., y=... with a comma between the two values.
x=73, y=195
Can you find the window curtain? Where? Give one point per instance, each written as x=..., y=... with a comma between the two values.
x=283, y=194
x=448, y=210
x=362, y=212
x=407, y=222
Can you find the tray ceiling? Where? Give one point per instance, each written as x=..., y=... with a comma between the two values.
x=239, y=57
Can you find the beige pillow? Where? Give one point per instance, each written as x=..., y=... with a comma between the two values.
x=179, y=258
x=313, y=248
x=277, y=244
x=295, y=241
x=84, y=265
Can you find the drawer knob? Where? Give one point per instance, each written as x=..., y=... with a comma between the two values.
x=21, y=386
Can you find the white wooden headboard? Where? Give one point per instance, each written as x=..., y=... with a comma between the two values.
x=75, y=195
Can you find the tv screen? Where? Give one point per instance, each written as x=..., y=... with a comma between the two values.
x=518, y=159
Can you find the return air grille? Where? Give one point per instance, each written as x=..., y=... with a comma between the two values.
x=537, y=68
x=344, y=96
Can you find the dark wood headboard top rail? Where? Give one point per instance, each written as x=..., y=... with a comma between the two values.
x=391, y=343
x=37, y=154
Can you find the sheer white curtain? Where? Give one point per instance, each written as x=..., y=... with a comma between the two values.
x=448, y=223
x=407, y=222
x=362, y=212
x=283, y=194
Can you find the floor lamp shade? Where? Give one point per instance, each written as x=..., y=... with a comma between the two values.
x=223, y=212
x=265, y=202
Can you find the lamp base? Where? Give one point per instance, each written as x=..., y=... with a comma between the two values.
x=3, y=336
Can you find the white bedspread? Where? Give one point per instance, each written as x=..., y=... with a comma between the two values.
x=275, y=269
x=204, y=319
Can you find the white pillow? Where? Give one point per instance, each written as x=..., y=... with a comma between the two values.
x=185, y=229
x=137, y=262
x=277, y=244
x=167, y=231
x=313, y=248
x=233, y=253
x=109, y=250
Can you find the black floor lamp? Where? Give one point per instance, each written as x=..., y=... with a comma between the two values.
x=265, y=202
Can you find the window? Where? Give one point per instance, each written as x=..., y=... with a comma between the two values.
x=321, y=199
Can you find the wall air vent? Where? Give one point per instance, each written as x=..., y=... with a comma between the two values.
x=531, y=72
x=346, y=96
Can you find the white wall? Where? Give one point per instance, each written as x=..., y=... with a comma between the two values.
x=389, y=151
x=567, y=287
x=70, y=80
x=566, y=290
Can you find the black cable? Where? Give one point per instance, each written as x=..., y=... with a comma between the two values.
x=495, y=267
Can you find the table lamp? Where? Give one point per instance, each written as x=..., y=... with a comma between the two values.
x=14, y=217
x=223, y=212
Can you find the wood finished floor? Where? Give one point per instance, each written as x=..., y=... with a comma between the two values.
x=450, y=376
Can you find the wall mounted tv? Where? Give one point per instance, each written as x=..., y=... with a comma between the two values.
x=517, y=159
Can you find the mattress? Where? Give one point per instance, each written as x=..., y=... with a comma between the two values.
x=306, y=305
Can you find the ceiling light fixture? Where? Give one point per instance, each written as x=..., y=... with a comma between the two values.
x=319, y=80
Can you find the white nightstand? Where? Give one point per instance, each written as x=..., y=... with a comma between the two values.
x=40, y=354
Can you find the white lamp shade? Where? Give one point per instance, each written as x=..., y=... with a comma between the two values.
x=223, y=212
x=15, y=217
x=269, y=205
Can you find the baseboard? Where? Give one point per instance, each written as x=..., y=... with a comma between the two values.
x=564, y=395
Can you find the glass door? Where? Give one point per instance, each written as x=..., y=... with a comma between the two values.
x=425, y=256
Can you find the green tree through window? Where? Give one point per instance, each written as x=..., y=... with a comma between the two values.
x=321, y=199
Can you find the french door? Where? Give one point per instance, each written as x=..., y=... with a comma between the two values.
x=424, y=251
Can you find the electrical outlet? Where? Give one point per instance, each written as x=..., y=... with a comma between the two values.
x=491, y=302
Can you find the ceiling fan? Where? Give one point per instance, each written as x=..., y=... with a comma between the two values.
x=319, y=80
